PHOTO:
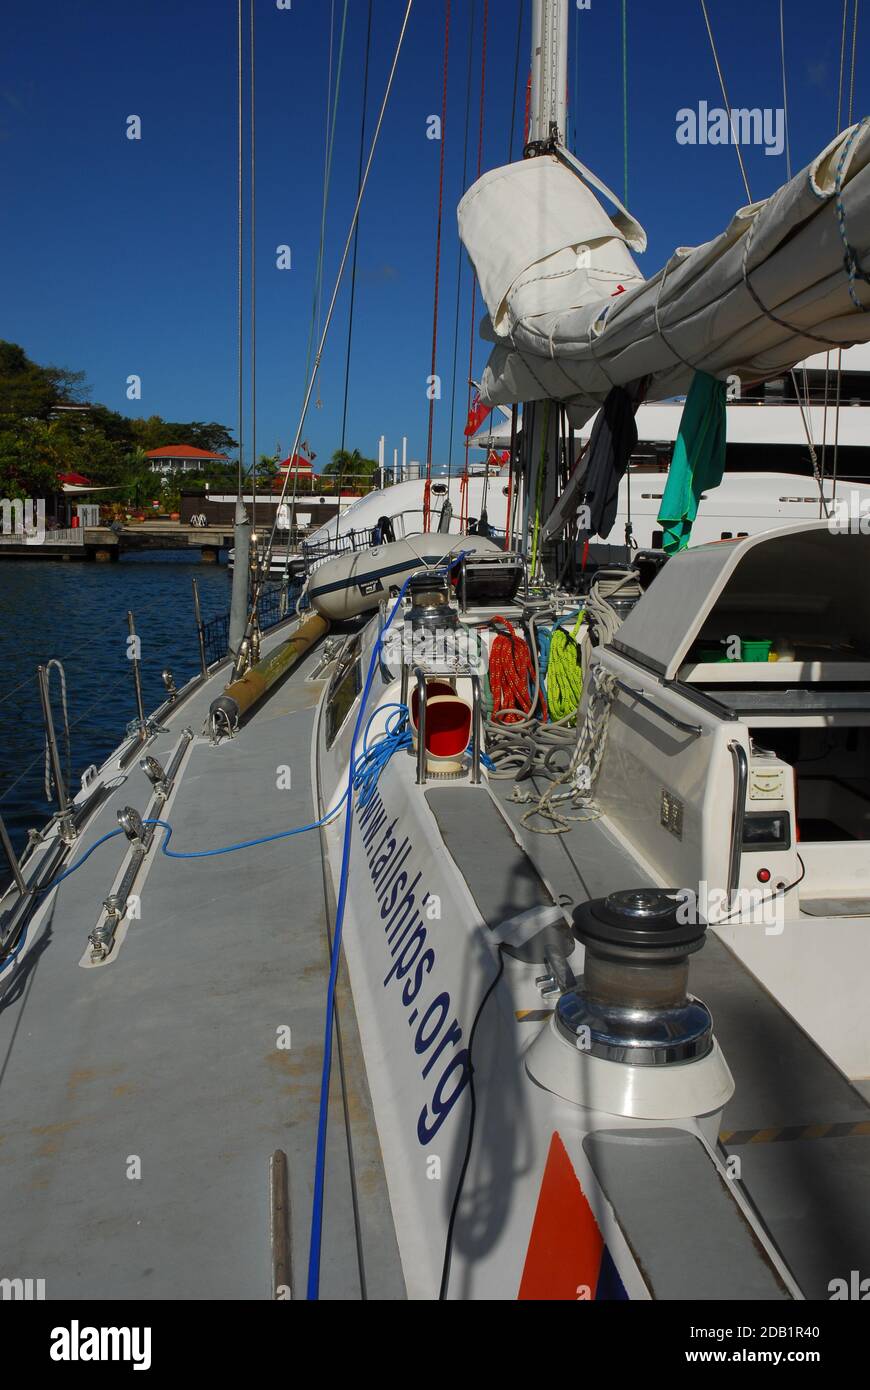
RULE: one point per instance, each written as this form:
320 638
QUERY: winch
633 1000
629 1039
431 609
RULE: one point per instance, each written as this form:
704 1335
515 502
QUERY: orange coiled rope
512 676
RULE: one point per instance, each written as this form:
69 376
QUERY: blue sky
118 256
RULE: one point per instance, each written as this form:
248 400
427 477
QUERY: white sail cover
571 315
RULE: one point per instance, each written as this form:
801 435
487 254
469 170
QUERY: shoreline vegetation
48 426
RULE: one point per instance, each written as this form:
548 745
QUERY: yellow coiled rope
564 672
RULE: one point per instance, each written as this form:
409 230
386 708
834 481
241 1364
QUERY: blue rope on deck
326 1071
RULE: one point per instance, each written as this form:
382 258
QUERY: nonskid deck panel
799 1128
140 1103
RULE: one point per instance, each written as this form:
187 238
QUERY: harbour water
78 613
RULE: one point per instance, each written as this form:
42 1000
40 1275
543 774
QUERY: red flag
476 416
497 460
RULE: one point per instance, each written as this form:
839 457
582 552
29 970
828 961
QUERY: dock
104 544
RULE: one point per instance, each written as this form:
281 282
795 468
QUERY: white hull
277 564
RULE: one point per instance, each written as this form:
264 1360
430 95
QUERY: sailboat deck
800 1129
141 1102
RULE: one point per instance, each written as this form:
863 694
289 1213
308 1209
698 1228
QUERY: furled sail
571 315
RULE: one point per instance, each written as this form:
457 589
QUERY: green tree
31 456
39 438
28 391
265 472
352 468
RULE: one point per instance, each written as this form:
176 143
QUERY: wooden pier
104 543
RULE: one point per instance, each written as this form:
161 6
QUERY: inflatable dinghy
356 582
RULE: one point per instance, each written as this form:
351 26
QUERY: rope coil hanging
564 672
512 677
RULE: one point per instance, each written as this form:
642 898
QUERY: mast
549 98
548 123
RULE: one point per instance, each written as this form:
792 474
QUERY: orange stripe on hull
565 1247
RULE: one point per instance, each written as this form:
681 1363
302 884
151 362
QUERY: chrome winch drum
431 609
632 1004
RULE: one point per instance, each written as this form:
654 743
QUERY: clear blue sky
118 256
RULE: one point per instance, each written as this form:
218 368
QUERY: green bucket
713 654
755 649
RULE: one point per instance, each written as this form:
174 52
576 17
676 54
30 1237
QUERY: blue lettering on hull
412 960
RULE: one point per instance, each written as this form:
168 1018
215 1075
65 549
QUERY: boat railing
71 812
316 553
215 634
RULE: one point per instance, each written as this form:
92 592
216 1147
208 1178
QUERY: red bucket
448 731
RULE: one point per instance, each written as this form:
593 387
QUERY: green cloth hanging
698 462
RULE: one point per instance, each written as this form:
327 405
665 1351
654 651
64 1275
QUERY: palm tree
350 465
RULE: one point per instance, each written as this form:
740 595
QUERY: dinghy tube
357 581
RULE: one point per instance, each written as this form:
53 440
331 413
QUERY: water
78 612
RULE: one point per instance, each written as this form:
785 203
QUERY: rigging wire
329 144
835 466
784 89
331 309
240 242
808 434
817 474
362 134
624 102
736 143
576 93
74 723
315 308
852 74
253 276
460 260
428 488
842 68
326 127
825 427
520 14
463 521
837 425
15 689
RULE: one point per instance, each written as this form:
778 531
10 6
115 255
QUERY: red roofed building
184 457
299 465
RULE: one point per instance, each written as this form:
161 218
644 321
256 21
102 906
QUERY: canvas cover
570 315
